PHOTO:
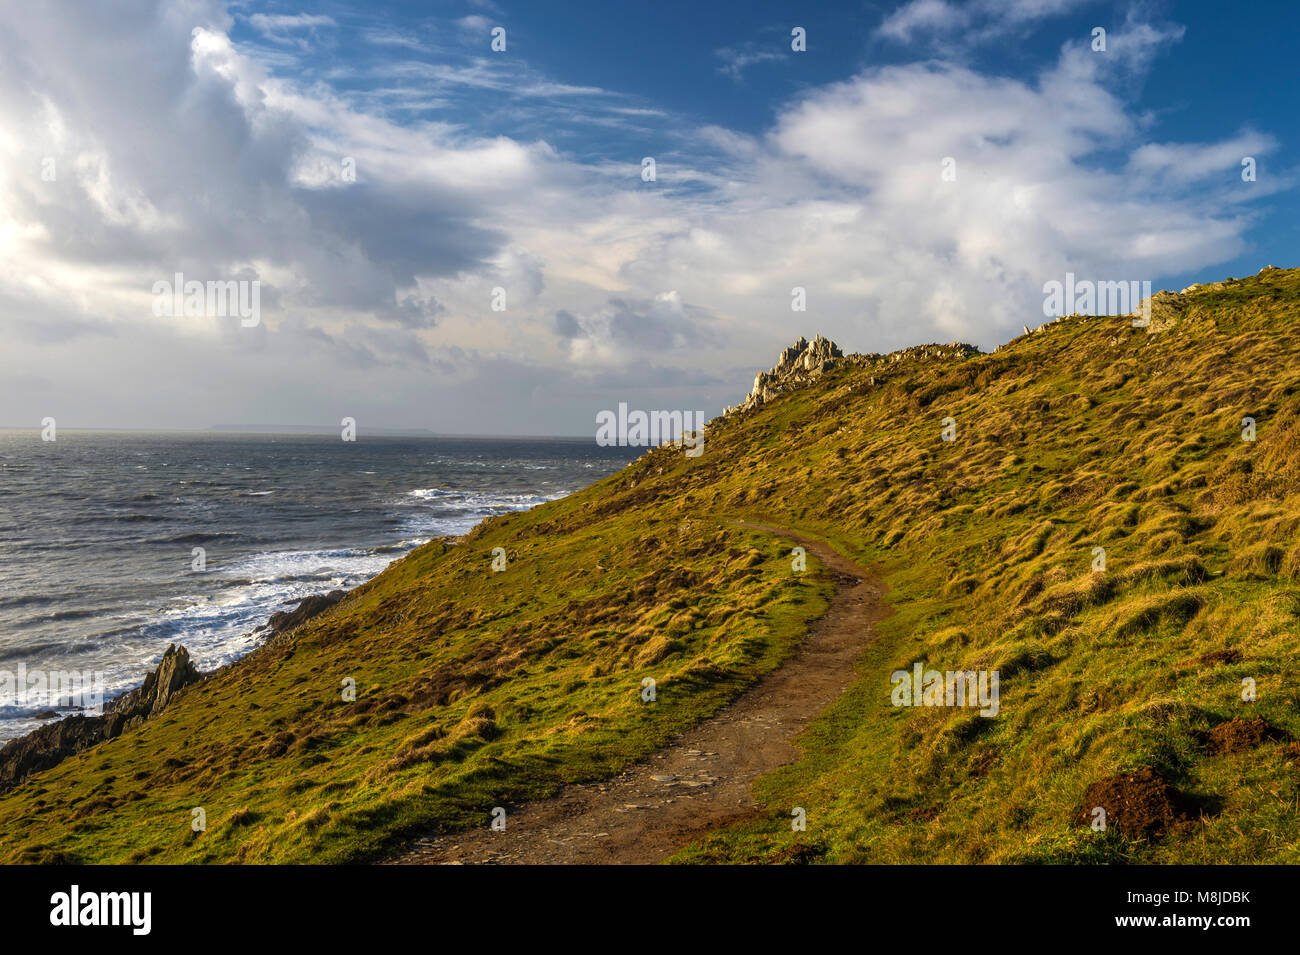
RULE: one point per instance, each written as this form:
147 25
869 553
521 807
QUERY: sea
101 534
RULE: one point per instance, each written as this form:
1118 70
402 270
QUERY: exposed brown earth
703 780
1140 804
1238 736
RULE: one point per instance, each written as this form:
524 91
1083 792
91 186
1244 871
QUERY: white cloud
935 16
736 61
286 28
1180 164
212 163
971 22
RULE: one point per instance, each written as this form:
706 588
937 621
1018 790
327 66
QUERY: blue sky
207 137
689 64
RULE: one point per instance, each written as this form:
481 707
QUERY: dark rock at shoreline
173 673
283 621
49 745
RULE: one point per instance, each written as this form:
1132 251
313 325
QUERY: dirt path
702 780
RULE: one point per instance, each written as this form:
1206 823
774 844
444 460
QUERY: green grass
479 689
474 689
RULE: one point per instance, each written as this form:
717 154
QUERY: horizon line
298 430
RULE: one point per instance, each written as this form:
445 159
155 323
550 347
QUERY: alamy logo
82 689
103 908
923 687
1087 297
650 429
195 299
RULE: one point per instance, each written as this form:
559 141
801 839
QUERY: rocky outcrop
174 673
54 742
283 621
956 350
1166 310
799 364
1170 308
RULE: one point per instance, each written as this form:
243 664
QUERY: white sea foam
218 629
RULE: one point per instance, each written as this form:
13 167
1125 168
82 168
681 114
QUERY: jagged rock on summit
798 365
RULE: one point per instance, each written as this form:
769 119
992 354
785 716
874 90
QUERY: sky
464 239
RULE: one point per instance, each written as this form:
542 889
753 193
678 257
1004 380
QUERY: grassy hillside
476 689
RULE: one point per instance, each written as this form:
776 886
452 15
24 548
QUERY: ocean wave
451 513
33 711
79 614
482 500
305 564
79 655
26 652
196 537
33 600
